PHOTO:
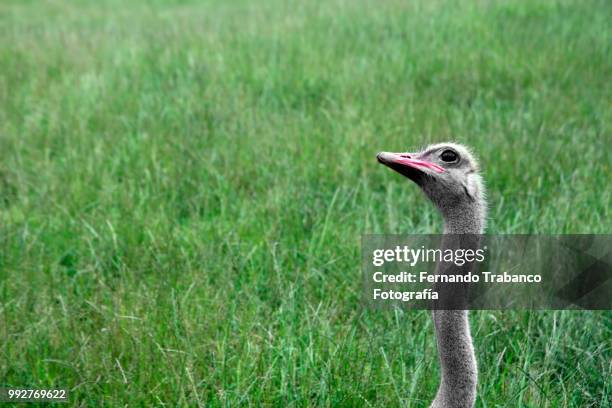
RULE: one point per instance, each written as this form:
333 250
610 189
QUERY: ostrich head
449 176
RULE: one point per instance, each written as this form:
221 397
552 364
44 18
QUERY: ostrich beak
403 163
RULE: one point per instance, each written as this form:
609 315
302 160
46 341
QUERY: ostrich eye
449 156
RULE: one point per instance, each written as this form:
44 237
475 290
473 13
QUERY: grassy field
184 185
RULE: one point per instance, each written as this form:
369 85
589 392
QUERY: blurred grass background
183 187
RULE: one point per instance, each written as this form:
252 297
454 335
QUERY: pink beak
408 160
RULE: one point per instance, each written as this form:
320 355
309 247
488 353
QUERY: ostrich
448 175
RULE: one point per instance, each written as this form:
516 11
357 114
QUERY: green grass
183 187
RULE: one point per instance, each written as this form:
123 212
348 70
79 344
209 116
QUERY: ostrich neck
465 218
457 359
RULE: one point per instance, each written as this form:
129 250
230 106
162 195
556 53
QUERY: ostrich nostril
405 156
